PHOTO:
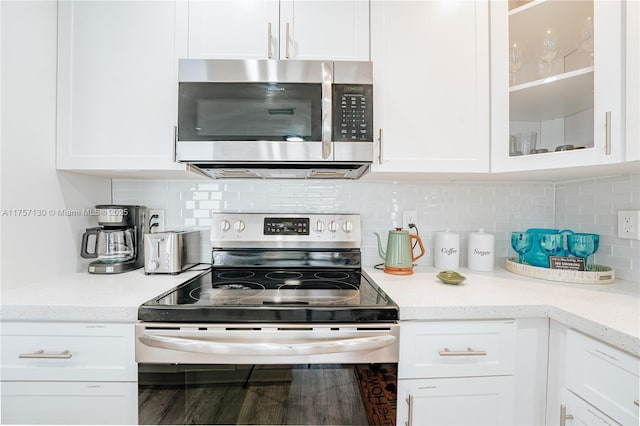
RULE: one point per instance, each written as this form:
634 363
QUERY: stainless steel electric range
284 290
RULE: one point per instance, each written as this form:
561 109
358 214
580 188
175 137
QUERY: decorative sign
570 263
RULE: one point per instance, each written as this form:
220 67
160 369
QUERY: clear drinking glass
550 47
585 38
521 243
515 61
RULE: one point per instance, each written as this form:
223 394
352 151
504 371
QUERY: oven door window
319 394
249 112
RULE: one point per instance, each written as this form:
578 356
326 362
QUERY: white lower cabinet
457 372
460 401
69 403
576 411
605 377
68 373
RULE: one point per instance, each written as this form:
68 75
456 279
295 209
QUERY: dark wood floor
319 395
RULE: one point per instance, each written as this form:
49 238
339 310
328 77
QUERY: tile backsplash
498 208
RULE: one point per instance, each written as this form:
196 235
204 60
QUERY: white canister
446 248
481 251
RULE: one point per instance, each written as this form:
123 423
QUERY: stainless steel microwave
270 119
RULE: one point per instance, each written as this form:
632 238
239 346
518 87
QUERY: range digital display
286 226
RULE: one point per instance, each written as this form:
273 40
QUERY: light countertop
609 312
88 297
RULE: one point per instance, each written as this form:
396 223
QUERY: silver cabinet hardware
637 402
564 416
174 154
409 421
608 133
380 159
269 47
286 42
468 352
42 354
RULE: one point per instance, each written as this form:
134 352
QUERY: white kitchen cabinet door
117 85
571 101
69 403
431 85
578 412
632 91
267 29
461 401
247 29
318 30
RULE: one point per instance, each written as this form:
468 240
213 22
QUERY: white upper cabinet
117 90
632 89
557 78
431 86
265 29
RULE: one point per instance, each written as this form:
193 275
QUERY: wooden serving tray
598 274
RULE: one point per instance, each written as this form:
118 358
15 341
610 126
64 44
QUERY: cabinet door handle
269 47
380 159
409 421
468 352
608 133
564 416
42 354
637 402
286 42
175 144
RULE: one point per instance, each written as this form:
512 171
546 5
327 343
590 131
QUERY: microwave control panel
353 112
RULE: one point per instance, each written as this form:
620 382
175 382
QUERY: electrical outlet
156 224
409 216
629 224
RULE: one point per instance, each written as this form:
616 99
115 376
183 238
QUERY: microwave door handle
327 94
299 347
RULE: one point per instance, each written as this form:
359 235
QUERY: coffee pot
117 245
399 258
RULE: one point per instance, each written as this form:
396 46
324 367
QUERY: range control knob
153 265
333 226
225 225
239 226
347 226
318 226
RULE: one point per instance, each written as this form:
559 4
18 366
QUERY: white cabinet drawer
69 403
581 413
457 349
68 352
604 376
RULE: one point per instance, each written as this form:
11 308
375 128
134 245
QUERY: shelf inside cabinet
553 97
528 23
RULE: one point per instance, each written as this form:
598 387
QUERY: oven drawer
457 349
67 352
266 343
604 376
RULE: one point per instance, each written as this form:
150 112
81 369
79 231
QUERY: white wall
44 242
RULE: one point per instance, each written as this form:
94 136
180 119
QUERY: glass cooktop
273 295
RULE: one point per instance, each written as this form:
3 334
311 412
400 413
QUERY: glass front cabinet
557 84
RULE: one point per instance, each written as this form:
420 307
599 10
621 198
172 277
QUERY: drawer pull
468 352
42 354
409 421
564 416
637 402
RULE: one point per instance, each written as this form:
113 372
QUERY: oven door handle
309 347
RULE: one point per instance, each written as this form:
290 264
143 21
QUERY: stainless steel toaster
171 252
